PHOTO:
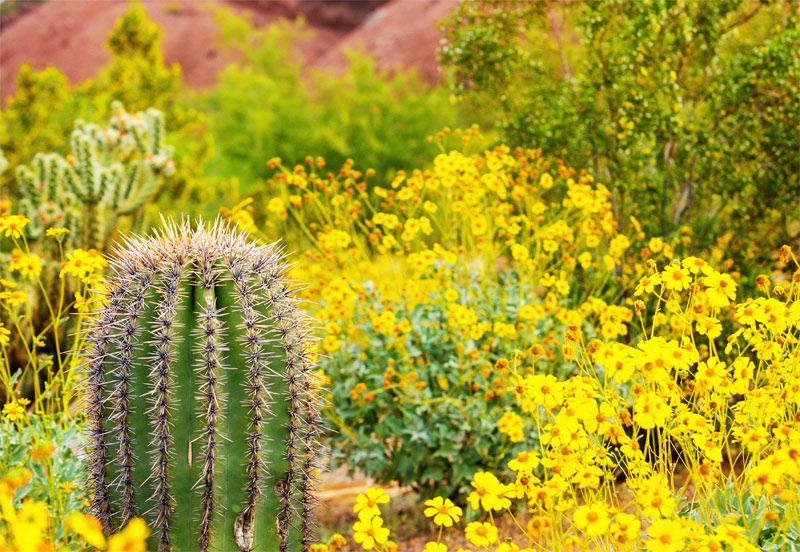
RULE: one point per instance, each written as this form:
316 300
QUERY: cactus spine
201 395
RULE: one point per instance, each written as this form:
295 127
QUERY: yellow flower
330 344
443 511
481 534
367 503
4 333
12 225
479 225
133 538
709 326
676 278
56 232
512 425
655 245
720 289
489 493
29 265
525 461
14 298
14 412
29 537
81 263
369 531
88 528
451 295
336 541
666 536
519 253
650 410
625 529
593 519
42 450
647 284
68 487
33 513
435 547
529 312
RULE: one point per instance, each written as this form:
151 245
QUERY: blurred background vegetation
690 115
688 110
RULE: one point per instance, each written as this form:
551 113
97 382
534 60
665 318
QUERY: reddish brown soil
400 34
69 34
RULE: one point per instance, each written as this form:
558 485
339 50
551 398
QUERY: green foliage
56 476
37 117
430 421
729 502
270 106
689 110
201 396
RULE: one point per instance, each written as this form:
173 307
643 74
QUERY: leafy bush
674 444
270 106
425 287
689 111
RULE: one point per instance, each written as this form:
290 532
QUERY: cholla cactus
112 172
201 396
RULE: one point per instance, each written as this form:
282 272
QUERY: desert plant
687 110
200 357
112 172
40 115
270 105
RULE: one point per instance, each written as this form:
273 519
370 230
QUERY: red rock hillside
70 34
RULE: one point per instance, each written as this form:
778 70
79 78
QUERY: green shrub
270 106
689 110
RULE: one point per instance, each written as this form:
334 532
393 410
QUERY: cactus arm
139 419
71 181
147 187
114 194
211 411
259 349
308 489
27 185
52 186
92 236
132 176
285 321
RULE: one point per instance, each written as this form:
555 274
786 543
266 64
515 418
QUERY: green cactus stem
201 396
111 172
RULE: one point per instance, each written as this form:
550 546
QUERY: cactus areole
201 396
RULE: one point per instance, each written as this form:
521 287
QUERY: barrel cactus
201 395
